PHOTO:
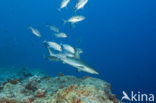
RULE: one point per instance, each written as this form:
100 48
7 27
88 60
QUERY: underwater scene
77 51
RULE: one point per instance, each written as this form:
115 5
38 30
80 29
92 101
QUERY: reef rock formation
62 89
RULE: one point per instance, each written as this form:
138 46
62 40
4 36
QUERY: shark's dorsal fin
78 51
77 55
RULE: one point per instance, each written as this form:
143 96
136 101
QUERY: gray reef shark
74 61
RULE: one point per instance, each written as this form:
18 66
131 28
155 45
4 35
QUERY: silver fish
80 4
35 31
61 35
68 48
75 19
64 4
54 45
53 28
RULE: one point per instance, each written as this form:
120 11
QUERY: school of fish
66 53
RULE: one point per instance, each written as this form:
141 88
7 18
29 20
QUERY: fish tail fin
59 9
65 21
29 27
74 10
72 25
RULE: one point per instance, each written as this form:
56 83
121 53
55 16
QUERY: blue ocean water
118 39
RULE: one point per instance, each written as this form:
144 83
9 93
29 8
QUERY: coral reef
36 87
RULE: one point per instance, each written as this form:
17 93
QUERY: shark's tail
47 46
51 56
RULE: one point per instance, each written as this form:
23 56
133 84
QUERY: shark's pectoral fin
78 70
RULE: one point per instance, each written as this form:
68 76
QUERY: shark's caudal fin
51 55
78 70
49 50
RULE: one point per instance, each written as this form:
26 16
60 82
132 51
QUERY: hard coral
1 87
32 83
60 74
61 89
4 100
14 81
40 93
28 100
